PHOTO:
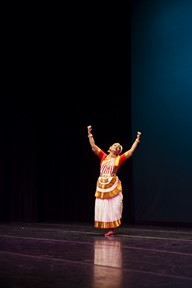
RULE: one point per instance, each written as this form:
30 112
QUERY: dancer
108 194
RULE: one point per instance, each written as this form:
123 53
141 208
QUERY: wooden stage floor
52 255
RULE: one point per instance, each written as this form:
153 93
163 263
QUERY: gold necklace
111 156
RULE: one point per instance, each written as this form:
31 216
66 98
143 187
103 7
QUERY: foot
110 233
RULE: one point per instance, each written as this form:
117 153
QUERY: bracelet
90 135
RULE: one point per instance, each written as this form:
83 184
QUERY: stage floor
79 256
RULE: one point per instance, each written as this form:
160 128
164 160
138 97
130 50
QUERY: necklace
110 156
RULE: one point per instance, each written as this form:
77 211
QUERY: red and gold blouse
108 183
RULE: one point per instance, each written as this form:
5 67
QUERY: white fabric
109 210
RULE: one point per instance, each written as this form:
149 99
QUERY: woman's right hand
89 129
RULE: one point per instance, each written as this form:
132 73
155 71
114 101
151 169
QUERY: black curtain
18 166
65 69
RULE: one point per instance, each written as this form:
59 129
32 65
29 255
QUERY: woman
108 195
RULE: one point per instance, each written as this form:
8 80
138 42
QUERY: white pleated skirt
108 212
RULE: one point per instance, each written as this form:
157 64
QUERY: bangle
90 135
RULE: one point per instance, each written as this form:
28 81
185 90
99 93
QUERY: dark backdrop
162 101
65 69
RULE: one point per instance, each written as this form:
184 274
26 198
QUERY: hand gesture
138 136
89 129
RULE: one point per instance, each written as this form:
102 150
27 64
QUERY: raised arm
91 139
134 145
